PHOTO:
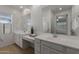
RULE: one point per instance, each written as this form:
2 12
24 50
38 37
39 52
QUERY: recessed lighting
26 11
21 7
60 8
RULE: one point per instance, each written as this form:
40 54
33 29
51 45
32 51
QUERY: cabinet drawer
53 46
47 50
72 51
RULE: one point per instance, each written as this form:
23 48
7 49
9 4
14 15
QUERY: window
5 23
5 19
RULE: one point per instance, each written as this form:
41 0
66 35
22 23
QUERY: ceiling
18 7
55 8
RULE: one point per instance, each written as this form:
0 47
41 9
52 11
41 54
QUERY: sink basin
33 35
55 36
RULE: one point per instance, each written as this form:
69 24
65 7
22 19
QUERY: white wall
36 16
17 21
75 14
46 20
53 22
26 24
41 19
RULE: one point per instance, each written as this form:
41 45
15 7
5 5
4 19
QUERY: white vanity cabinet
51 47
48 47
37 46
48 50
72 51
29 41
44 47
24 41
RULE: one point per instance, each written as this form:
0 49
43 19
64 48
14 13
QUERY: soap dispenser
32 30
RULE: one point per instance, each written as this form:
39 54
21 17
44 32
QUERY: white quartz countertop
69 41
29 38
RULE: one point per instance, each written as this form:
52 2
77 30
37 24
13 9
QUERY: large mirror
61 24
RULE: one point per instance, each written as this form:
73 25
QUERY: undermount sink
33 35
55 36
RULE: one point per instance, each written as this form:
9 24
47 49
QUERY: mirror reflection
61 24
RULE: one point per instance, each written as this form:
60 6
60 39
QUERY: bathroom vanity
48 44
28 41
24 40
18 38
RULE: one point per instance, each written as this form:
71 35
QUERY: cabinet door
53 46
20 41
72 51
44 50
17 39
37 46
47 50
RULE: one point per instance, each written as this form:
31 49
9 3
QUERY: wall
75 18
17 21
46 20
36 16
27 23
41 19
53 22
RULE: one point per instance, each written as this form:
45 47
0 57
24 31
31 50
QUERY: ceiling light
60 17
26 11
21 7
60 8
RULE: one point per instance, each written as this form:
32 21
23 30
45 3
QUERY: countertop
69 41
25 36
29 38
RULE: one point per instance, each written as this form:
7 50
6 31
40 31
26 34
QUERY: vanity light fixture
26 11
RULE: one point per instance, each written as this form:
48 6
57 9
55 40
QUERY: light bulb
60 8
21 7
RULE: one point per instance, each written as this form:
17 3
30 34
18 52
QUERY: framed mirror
61 24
